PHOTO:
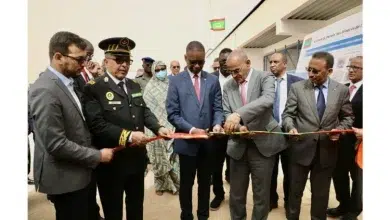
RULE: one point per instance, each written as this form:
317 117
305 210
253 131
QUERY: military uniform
142 80
112 115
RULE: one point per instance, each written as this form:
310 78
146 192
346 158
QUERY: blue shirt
324 90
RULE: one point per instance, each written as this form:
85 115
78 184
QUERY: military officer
147 75
116 114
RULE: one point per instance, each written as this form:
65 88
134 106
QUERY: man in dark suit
30 130
116 115
247 103
318 103
194 105
351 204
89 71
283 82
220 142
64 157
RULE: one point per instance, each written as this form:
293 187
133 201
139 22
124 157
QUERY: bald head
175 67
238 65
238 56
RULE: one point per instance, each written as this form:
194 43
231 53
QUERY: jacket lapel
332 97
66 91
188 82
252 82
309 93
203 87
236 95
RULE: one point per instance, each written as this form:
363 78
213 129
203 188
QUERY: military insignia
110 96
106 79
124 42
136 95
91 82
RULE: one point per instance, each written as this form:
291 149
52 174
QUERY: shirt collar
67 81
284 77
222 76
358 84
192 74
249 75
116 81
325 84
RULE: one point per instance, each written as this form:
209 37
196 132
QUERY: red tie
86 76
196 85
351 88
243 92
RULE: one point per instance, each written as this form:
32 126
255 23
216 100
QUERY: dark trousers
189 166
274 181
111 189
320 178
349 201
94 209
220 145
73 205
259 167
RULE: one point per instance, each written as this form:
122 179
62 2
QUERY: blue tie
320 102
277 100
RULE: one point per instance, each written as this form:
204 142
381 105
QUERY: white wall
161 29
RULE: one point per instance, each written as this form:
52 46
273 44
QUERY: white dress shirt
222 80
68 82
193 79
117 81
283 95
357 85
324 91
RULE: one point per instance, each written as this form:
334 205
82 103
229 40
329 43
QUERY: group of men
95 134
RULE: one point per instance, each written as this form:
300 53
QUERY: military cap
117 45
147 59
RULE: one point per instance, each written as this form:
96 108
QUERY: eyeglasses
234 72
79 60
176 67
194 62
354 68
158 70
121 60
311 69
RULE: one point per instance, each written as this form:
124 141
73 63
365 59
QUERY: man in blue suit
194 105
278 66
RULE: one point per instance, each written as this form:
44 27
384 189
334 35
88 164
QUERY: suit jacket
301 113
79 82
111 120
185 111
256 114
292 79
63 157
348 141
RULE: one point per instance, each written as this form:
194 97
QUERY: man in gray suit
64 157
318 103
247 104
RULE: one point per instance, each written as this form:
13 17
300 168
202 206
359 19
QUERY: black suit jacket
79 82
357 107
112 115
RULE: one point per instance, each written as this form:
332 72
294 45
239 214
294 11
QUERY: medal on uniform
106 79
110 96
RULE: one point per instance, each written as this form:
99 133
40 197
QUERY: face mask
161 74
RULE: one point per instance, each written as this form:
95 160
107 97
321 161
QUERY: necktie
243 92
320 102
196 85
277 100
121 85
351 88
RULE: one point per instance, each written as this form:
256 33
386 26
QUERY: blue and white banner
343 39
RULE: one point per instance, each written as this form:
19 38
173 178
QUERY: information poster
343 39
